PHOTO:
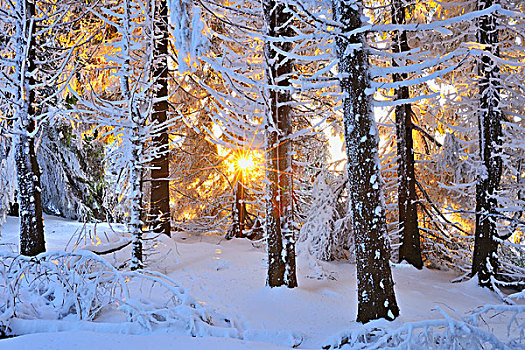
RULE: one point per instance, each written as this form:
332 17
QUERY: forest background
229 118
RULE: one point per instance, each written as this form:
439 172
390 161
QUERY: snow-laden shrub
80 286
478 330
324 234
73 184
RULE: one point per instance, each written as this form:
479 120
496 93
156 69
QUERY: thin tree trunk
160 193
279 215
28 172
135 222
239 209
375 287
410 249
485 260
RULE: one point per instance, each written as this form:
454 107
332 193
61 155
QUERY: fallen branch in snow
109 248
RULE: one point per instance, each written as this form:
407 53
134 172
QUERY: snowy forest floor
229 278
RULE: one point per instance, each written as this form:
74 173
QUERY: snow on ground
229 278
103 341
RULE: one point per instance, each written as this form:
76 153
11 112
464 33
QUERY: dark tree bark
30 203
286 185
410 249
273 227
239 209
28 172
279 214
375 287
485 260
160 193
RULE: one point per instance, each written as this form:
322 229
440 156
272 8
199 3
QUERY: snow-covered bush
82 286
7 177
73 183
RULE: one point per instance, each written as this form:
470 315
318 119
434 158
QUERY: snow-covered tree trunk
375 287
160 193
135 221
29 196
485 260
410 249
279 215
286 180
134 133
28 172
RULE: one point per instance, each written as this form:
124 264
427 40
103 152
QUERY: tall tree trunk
375 287
134 136
160 192
279 215
28 172
485 260
410 249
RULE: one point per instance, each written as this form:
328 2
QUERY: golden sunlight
244 162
